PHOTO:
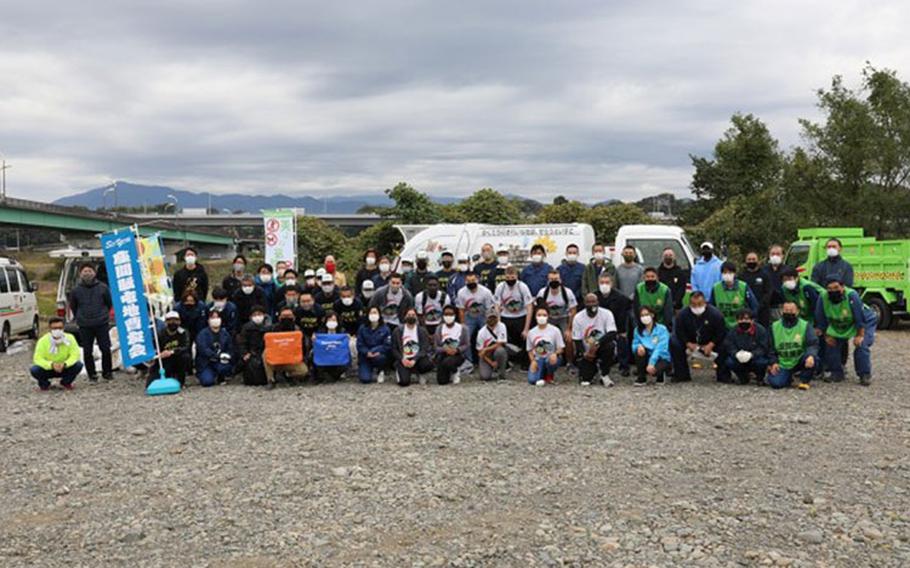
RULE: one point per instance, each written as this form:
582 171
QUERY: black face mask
836 297
422 264
173 327
410 320
668 262
447 264
751 265
286 324
592 310
706 254
745 325
788 319
554 284
651 285
511 283
472 285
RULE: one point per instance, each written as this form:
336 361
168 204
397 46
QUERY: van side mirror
32 286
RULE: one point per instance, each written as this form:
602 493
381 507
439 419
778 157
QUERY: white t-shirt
391 306
485 337
449 337
513 300
475 303
592 329
431 308
410 342
546 341
556 302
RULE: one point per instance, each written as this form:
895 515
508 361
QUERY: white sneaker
585 383
380 378
606 380
456 378
541 383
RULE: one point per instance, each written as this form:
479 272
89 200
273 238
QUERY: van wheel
33 332
4 338
882 310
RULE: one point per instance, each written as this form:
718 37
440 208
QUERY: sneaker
640 382
624 372
380 378
837 378
42 389
270 386
585 383
865 380
107 376
456 378
93 378
803 386
660 380
541 383
606 381
68 387
548 378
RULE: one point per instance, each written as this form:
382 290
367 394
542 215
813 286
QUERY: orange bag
283 347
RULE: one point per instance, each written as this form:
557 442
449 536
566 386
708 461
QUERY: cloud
592 100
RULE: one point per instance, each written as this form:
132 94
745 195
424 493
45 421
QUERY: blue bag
331 350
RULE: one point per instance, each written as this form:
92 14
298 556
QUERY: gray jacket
91 304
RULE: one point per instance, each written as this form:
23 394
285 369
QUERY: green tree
562 212
383 237
488 206
607 219
411 206
316 239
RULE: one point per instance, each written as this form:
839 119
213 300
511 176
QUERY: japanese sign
128 293
281 236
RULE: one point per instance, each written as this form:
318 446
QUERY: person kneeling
545 345
747 347
411 348
251 346
794 349
452 347
651 346
213 353
174 342
284 350
374 347
331 350
491 347
594 332
56 357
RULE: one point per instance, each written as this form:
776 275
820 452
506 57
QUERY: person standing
515 301
535 273
629 273
246 297
266 282
774 270
621 307
656 295
451 342
675 277
232 281
731 295
369 269
418 280
447 272
393 300
833 266
706 272
332 268
349 311
498 275
56 356
430 303
755 278
491 341
599 264
384 274
91 305
473 301
593 331
486 268
191 277
571 272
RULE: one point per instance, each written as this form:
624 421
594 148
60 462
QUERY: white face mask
605 289
257 319
790 284
384 267
327 288
247 289
646 320
449 319
728 277
290 281
832 252
239 267
57 333
571 257
374 318
368 294
699 310
542 320
190 260
775 259
370 261
503 259
219 305
215 323
599 255
462 267
347 301
331 325
536 258
406 269
265 278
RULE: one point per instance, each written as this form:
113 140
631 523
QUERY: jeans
44 376
587 370
87 338
366 366
544 369
862 357
210 374
783 377
473 325
757 365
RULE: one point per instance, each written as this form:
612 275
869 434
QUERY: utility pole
3 167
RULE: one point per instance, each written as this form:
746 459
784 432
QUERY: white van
470 237
18 305
650 241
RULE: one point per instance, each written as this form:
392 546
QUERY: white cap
368 285
422 255
446 252
327 278
502 248
171 315
309 273
408 260
708 244
320 272
463 256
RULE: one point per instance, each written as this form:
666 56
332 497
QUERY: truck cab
650 241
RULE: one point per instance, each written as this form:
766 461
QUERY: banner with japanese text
121 257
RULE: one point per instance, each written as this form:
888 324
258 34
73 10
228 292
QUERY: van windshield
798 255
652 251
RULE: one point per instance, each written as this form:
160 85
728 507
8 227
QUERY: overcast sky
593 100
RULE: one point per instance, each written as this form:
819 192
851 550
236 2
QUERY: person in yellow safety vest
841 318
731 295
794 349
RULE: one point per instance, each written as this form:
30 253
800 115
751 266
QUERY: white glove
225 358
743 356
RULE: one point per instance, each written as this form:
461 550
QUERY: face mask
310 282
571 257
384 267
605 289
835 297
292 302
448 319
788 319
410 320
669 260
447 264
775 259
542 320
406 269
330 267
215 323
327 289
219 305
290 281
553 284
258 319
510 282
373 318
422 264
628 258
462 268
651 285
347 301
536 258
592 311
370 261
247 289
286 323
502 259
833 252
472 286
331 325
598 255
745 325
706 254
646 320
368 294
699 310
239 267
190 260
728 277
751 265
265 278
57 333
790 284
172 326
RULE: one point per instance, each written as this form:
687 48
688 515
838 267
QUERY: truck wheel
4 338
882 310
33 332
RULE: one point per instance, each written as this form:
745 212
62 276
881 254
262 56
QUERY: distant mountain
137 195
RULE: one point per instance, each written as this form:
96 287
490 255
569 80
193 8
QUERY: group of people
762 323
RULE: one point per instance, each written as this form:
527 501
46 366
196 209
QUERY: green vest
789 342
840 316
729 302
654 300
798 297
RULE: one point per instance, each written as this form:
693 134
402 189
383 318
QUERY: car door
29 301
7 302
16 300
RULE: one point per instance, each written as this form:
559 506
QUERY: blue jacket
456 283
535 276
833 267
705 274
210 346
377 340
270 290
656 343
228 316
191 318
571 276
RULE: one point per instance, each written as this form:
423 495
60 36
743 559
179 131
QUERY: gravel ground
470 475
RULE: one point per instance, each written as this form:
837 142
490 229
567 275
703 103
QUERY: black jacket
246 302
250 339
676 279
231 284
701 330
178 342
758 283
755 341
91 303
619 305
195 279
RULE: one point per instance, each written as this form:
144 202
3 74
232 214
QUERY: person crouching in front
56 357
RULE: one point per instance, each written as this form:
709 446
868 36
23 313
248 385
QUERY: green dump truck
881 269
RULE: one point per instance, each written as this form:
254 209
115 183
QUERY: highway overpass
355 221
